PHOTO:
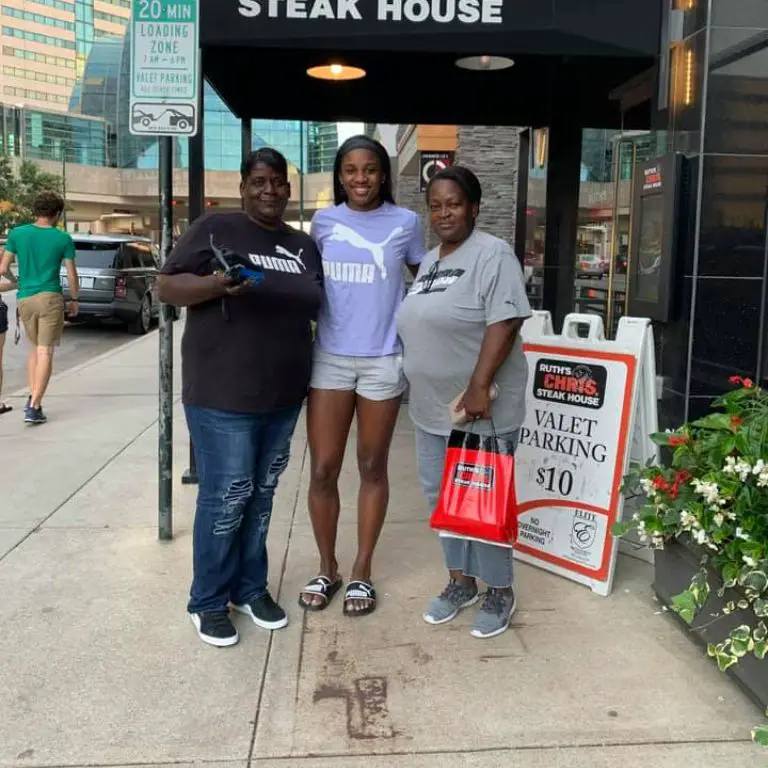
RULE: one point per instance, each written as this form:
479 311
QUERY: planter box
674 567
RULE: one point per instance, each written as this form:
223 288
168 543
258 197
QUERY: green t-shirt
39 252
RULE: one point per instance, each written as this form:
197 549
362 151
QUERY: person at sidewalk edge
460 326
40 249
7 283
246 361
365 240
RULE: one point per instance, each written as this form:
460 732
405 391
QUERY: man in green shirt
40 249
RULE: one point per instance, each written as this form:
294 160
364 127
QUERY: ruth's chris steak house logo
570 383
413 11
652 179
473 476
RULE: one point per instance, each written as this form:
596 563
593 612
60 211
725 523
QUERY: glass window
95 254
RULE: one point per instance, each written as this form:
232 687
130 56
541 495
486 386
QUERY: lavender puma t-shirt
363 255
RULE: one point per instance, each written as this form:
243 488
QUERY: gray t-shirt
442 322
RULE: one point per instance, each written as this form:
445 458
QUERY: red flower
748 383
735 379
676 440
660 483
736 422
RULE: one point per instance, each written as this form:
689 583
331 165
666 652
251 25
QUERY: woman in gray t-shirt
460 327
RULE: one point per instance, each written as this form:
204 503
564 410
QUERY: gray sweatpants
480 560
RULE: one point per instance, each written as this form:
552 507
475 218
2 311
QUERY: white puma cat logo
292 256
344 234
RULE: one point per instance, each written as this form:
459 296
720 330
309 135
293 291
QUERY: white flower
739 467
740 534
709 491
700 536
743 469
719 519
750 561
647 486
688 521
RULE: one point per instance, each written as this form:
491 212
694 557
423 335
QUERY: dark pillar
196 194
563 173
246 136
718 114
521 217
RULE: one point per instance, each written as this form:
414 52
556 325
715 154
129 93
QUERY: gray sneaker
453 599
495 613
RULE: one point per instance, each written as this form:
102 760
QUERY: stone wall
408 195
492 152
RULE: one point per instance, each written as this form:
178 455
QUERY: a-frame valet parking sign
583 399
165 67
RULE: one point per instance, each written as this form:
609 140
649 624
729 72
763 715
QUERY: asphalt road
79 344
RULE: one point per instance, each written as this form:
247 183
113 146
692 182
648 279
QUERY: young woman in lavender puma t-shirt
365 239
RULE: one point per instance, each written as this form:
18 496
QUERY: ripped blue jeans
240 458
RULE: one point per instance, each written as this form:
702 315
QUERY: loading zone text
414 11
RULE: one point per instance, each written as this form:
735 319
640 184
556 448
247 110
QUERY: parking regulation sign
165 67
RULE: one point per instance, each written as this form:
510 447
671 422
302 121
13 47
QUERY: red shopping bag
477 493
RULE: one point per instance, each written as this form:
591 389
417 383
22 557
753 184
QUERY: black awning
256 57
491 26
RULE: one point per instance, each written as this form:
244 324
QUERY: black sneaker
34 415
264 612
215 628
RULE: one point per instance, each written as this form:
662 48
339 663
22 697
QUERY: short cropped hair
270 157
48 205
461 175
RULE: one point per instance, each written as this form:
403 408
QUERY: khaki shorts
43 318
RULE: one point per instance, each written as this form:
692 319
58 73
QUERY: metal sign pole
165 420
165 38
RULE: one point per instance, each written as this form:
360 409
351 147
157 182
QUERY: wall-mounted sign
658 206
431 163
590 406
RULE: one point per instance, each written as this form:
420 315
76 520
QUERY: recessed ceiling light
485 63
336 71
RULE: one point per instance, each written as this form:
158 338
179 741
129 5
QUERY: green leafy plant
18 189
712 492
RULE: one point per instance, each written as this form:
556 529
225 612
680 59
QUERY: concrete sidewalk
101 666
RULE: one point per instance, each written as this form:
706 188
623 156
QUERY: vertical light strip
688 83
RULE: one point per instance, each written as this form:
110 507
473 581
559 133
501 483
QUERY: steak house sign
413 11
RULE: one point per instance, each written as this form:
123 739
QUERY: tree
19 189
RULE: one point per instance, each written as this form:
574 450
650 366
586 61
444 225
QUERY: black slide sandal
360 590
320 586
5 408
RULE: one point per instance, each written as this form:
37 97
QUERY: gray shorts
374 378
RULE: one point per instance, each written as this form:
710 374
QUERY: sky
349 129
